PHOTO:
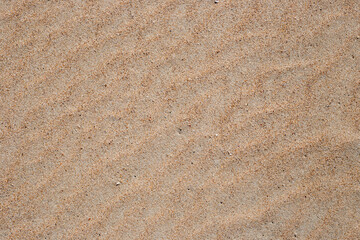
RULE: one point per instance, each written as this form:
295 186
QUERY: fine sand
179 119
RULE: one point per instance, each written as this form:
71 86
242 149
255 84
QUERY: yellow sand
180 119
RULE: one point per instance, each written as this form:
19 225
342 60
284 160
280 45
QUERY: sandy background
180 119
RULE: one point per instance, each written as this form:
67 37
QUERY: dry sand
180 119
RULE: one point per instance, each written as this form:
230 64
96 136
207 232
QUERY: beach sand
180 119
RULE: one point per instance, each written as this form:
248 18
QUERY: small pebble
118 183
216 1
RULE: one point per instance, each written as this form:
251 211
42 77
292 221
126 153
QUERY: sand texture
179 119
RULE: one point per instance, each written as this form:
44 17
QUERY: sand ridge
179 119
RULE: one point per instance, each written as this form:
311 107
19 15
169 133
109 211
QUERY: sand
180 119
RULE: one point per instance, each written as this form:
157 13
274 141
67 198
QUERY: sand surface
173 119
